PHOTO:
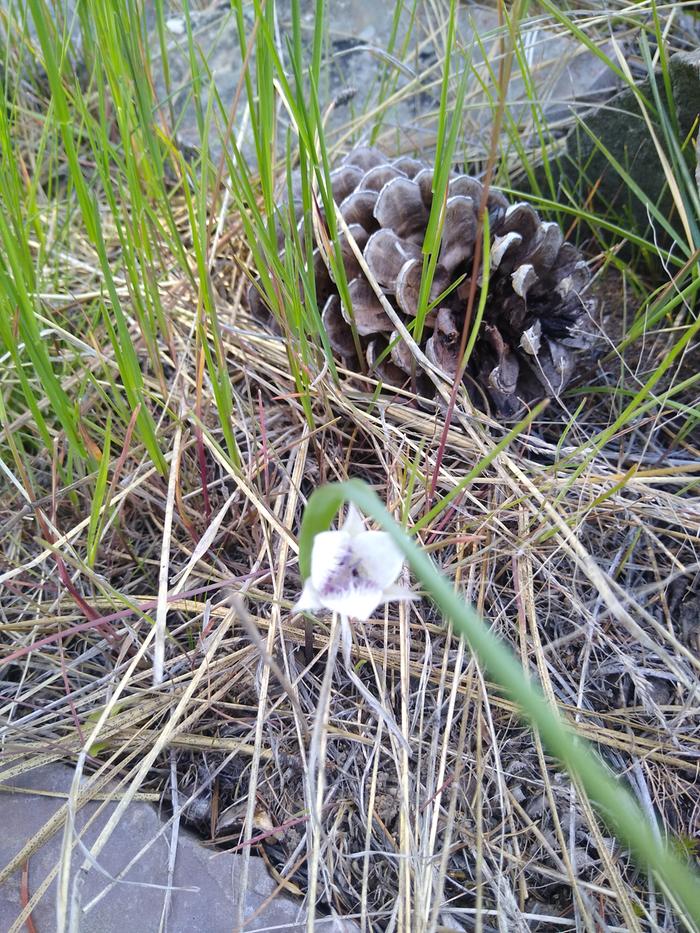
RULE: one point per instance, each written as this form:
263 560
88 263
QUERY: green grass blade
98 497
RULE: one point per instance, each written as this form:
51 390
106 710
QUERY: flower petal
309 599
353 524
358 602
380 559
402 593
332 551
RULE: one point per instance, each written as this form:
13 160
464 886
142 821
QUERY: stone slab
204 897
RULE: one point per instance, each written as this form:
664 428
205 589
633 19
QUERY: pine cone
535 317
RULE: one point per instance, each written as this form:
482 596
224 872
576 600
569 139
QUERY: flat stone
203 899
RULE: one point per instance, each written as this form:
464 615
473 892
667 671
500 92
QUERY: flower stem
316 774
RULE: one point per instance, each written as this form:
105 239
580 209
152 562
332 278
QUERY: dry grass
595 582
585 558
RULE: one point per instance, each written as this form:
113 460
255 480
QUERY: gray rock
204 882
360 70
565 76
357 38
685 81
622 130
684 68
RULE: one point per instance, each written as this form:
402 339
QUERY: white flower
353 571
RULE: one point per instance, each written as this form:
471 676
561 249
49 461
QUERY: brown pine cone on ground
536 316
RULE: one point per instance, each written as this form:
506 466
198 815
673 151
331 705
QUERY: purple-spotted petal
353 571
331 558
